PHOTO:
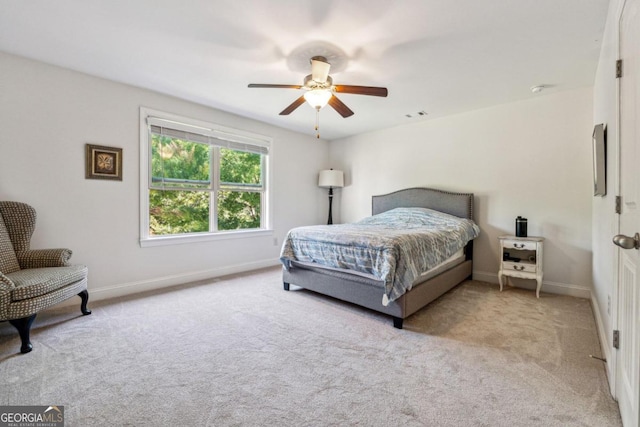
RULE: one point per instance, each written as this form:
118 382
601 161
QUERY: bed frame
367 292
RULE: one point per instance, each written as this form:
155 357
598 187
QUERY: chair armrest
40 258
6 286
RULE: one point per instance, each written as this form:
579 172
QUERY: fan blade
261 85
295 104
362 90
340 107
319 69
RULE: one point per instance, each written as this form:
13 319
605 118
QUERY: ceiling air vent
414 115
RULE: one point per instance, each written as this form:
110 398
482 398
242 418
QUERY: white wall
605 221
48 114
530 158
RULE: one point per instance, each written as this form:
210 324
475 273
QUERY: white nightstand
521 257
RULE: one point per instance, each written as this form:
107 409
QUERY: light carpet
240 351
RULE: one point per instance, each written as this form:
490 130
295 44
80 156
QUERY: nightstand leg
539 281
500 279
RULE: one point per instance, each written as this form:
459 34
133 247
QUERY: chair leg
24 327
83 305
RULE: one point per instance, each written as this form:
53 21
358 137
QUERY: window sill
195 238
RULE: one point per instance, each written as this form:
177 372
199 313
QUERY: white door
628 355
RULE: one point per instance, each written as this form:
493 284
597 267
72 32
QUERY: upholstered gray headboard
458 204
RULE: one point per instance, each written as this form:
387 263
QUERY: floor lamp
331 179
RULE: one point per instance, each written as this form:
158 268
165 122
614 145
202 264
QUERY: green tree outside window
182 187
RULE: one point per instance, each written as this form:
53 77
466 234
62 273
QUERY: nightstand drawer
519 266
519 244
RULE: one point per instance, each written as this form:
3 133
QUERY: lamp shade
318 98
331 179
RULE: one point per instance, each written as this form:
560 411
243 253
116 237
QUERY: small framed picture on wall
103 162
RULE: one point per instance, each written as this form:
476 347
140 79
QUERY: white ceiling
438 56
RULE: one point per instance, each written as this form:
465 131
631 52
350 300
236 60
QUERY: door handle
626 242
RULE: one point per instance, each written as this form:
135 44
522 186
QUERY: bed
368 290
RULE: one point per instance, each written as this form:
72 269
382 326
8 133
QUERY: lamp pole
329 179
330 220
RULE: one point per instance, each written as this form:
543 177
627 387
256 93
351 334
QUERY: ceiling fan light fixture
319 91
318 98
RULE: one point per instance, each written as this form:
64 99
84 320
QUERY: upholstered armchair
33 279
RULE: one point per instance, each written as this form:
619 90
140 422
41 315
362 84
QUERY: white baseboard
604 344
130 288
547 286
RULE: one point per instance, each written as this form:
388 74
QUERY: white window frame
235 136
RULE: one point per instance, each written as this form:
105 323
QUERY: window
200 179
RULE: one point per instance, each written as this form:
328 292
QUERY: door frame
615 300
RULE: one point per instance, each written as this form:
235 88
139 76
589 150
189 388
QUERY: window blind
212 137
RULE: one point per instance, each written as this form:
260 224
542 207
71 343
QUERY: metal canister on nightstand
521 227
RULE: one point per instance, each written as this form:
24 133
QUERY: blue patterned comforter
395 246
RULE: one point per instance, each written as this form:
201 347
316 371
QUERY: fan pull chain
318 122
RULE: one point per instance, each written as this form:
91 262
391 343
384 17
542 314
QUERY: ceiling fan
320 90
